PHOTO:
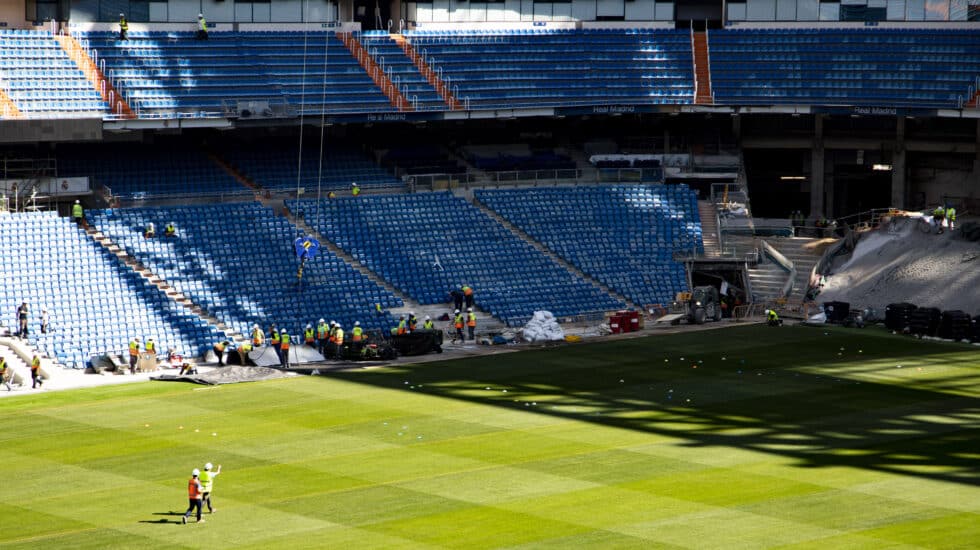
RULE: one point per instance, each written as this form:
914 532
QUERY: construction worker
772 319
377 310
36 372
938 214
151 347
458 325
4 375
170 230
194 495
402 326
355 190
275 341
123 26
219 350
309 335
457 297
331 348
134 354
412 321
471 322
322 334
284 347
338 340
357 335
951 217
77 213
467 295
331 195
151 231
202 27
428 324
207 484
243 351
258 337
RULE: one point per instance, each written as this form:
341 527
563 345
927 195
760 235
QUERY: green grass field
747 437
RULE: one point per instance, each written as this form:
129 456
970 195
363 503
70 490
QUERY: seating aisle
238 262
622 235
426 244
95 302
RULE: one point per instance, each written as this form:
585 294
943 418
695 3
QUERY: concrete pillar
976 160
817 171
899 184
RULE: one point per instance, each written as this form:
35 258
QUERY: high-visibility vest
285 340
338 337
3 366
332 334
357 334
134 348
377 307
412 322
170 229
951 214
258 337
471 321
123 25
35 363
220 346
309 335
322 330
773 316
150 346
207 481
401 326
355 191
245 348
76 211
467 291
939 211
204 25
458 321
274 337
428 325
194 489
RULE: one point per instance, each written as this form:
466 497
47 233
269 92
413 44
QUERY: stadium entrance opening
373 14
700 14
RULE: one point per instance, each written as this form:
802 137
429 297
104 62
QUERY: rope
323 117
302 102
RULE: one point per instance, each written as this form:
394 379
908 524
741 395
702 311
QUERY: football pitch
747 437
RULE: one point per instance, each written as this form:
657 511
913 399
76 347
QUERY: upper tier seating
171 72
42 80
428 243
420 159
623 235
555 68
238 262
274 166
134 172
874 67
95 302
401 70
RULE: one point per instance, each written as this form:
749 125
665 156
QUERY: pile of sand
899 263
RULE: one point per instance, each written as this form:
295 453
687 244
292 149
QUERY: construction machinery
697 306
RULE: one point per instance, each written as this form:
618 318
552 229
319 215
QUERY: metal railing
630 175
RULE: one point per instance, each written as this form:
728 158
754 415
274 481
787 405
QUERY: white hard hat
353 184
321 321
121 15
196 472
469 309
427 318
309 325
357 323
208 466
457 311
76 201
256 325
200 15
333 322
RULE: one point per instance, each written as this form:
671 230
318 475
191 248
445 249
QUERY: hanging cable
302 103
323 118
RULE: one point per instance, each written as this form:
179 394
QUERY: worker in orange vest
413 321
468 295
194 495
471 322
309 335
275 340
458 324
134 354
401 326
338 340
258 337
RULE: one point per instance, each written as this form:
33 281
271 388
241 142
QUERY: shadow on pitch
164 521
775 391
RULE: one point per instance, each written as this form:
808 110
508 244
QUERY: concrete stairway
768 278
794 248
702 72
21 372
547 252
709 228
162 284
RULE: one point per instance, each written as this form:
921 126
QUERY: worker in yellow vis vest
402 326
339 341
355 190
77 213
134 354
36 379
427 324
284 346
207 484
151 346
309 336
275 340
413 321
357 333
458 325
322 335
219 350
243 351
258 337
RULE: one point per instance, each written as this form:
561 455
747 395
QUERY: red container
624 321
634 321
615 324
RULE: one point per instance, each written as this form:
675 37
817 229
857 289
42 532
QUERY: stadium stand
401 70
136 172
274 166
561 68
167 73
622 235
420 159
42 80
237 262
428 243
877 67
96 303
